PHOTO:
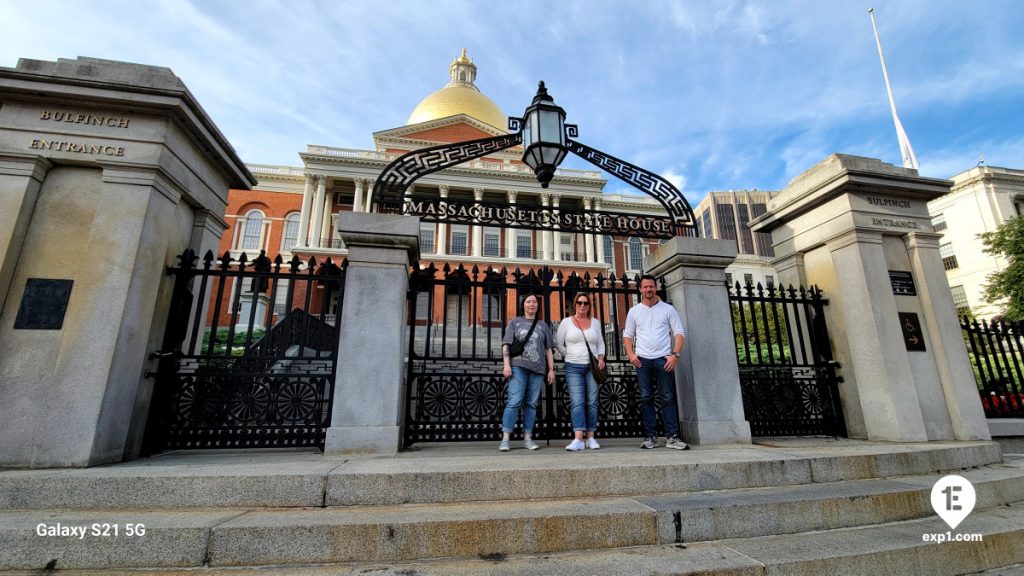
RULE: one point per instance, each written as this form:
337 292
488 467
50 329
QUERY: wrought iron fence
248 359
997 357
456 318
787 374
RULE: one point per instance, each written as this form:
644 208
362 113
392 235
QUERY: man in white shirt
654 337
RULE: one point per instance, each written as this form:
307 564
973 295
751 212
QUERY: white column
510 233
318 210
307 203
478 233
545 235
556 253
588 239
326 231
599 239
357 200
442 228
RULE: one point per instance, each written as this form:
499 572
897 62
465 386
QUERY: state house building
294 210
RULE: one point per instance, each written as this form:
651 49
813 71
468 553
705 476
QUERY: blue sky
715 95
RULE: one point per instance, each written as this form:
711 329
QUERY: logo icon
953 499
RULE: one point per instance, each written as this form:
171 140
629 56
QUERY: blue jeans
524 385
582 396
651 368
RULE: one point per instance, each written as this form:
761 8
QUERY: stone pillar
707 375
545 235
886 391
304 216
108 171
357 199
366 417
599 238
442 228
318 210
588 239
556 252
326 230
478 195
20 179
966 414
860 230
510 233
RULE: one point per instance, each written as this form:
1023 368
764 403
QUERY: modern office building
726 216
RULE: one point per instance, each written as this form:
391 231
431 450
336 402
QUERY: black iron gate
996 352
787 374
249 354
455 387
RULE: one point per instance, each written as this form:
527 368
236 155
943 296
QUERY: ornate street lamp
544 136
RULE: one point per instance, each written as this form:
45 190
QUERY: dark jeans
652 369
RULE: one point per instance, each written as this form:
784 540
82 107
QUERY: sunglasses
583 302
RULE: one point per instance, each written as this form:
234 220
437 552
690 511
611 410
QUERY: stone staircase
794 506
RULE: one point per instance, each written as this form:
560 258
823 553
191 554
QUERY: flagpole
906 150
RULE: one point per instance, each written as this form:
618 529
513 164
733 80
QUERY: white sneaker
529 444
575 446
592 444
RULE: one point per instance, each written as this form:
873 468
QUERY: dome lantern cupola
460 96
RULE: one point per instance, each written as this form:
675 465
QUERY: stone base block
377 440
703 433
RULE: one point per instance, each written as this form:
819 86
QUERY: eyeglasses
583 303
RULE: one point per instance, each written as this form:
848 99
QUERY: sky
713 95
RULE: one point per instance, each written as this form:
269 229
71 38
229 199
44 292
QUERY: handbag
600 374
517 347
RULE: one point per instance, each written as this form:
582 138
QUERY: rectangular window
746 240
726 221
960 300
708 232
253 232
492 242
524 245
291 232
1019 207
748 279
460 239
609 250
948 257
567 248
636 254
769 280
427 233
939 222
281 304
728 279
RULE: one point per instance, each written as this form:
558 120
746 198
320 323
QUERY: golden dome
460 96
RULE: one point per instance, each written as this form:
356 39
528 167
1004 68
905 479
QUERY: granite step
896 548
283 536
312 480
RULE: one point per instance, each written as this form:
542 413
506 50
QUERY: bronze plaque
44 304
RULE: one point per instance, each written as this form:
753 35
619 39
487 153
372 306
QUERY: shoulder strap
532 326
584 332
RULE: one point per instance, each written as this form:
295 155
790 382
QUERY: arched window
291 232
253 232
636 254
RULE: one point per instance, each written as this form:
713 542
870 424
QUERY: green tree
1007 241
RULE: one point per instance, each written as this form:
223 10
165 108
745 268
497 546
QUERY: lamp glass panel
550 126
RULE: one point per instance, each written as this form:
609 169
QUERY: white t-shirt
569 341
653 329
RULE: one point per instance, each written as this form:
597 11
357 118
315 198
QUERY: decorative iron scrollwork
648 182
406 169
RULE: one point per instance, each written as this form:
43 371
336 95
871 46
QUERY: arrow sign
911 327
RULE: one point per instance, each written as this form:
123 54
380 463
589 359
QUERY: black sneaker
649 443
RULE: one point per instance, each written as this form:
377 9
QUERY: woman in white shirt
569 340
